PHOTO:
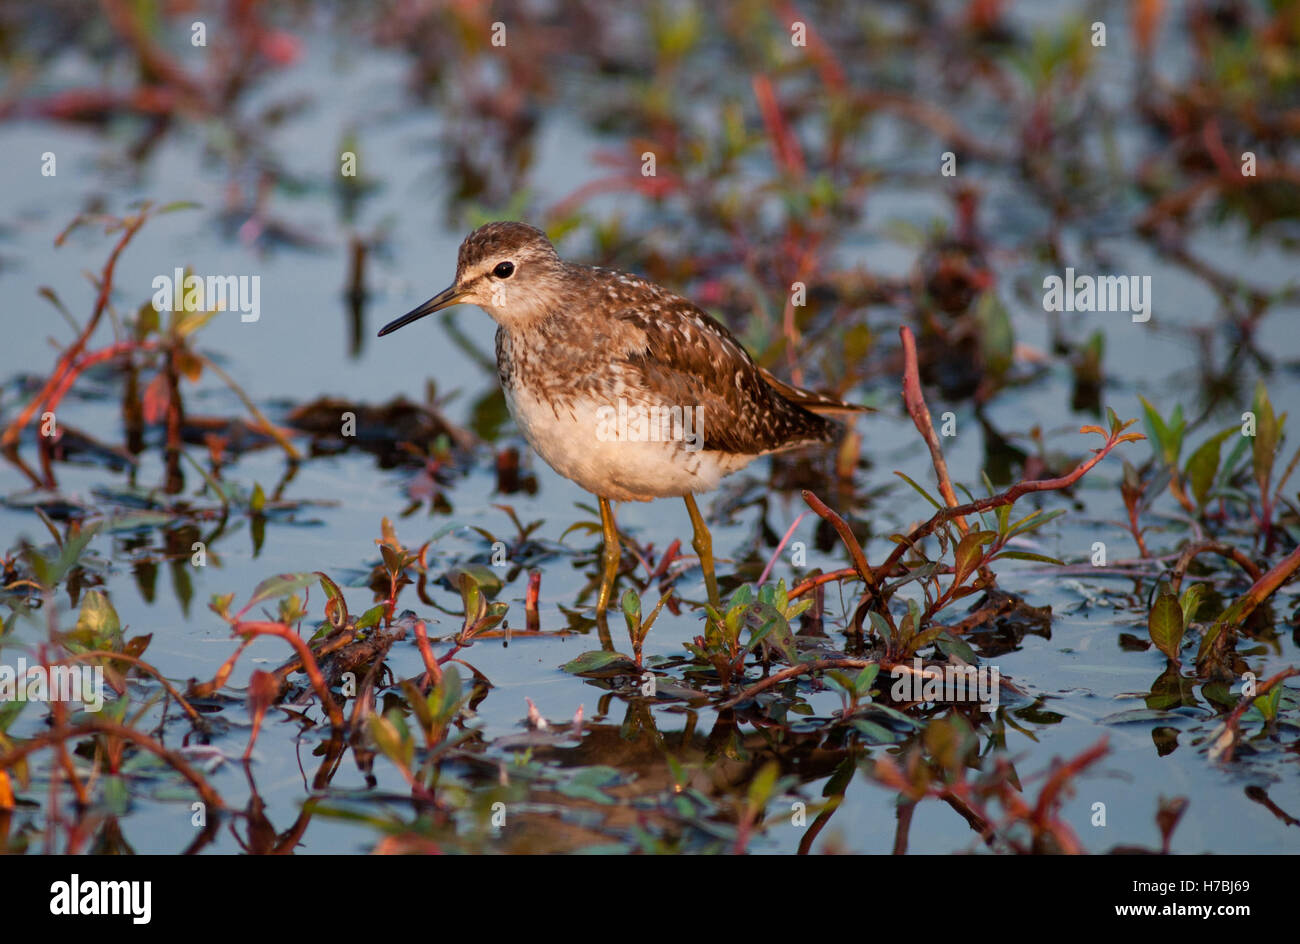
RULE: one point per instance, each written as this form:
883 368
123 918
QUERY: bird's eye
504 270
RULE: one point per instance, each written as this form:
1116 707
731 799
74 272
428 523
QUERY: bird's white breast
581 439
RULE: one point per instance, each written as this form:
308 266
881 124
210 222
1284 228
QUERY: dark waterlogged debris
54 505
998 621
337 424
76 446
225 435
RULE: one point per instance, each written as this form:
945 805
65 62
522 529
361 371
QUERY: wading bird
580 349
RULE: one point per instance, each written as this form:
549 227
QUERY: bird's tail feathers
813 402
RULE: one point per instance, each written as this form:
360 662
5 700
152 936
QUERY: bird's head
508 269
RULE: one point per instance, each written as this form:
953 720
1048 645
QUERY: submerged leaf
281 585
601 663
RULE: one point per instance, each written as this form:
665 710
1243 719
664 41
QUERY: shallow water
300 348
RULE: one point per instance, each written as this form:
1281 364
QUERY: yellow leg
703 544
613 554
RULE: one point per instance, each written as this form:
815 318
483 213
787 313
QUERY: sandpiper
623 387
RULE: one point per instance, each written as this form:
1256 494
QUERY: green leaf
586 784
1190 602
338 612
1116 424
394 560
761 787
1034 521
1209 637
948 644
924 493
923 639
175 205
1267 429
866 678
281 585
873 733
893 714
1268 703
220 604
910 625
445 699
117 798
649 621
1026 555
392 737
371 617
258 500
9 710
487 579
1204 464
1167 437
769 625
72 549
880 626
1228 468
969 552
632 612
1165 624
997 340
840 680
97 618
600 662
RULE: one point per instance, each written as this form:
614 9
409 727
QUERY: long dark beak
444 299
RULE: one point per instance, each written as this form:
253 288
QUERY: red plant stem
1010 496
1212 547
785 146
155 60
665 560
823 57
432 669
779 548
204 689
806 267
263 628
90 360
1061 776
69 357
532 619
258 714
795 670
860 564
814 582
393 577
141 664
1136 530
1234 717
99 725
920 413
175 417
1264 587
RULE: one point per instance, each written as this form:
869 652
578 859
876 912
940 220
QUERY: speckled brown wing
690 359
